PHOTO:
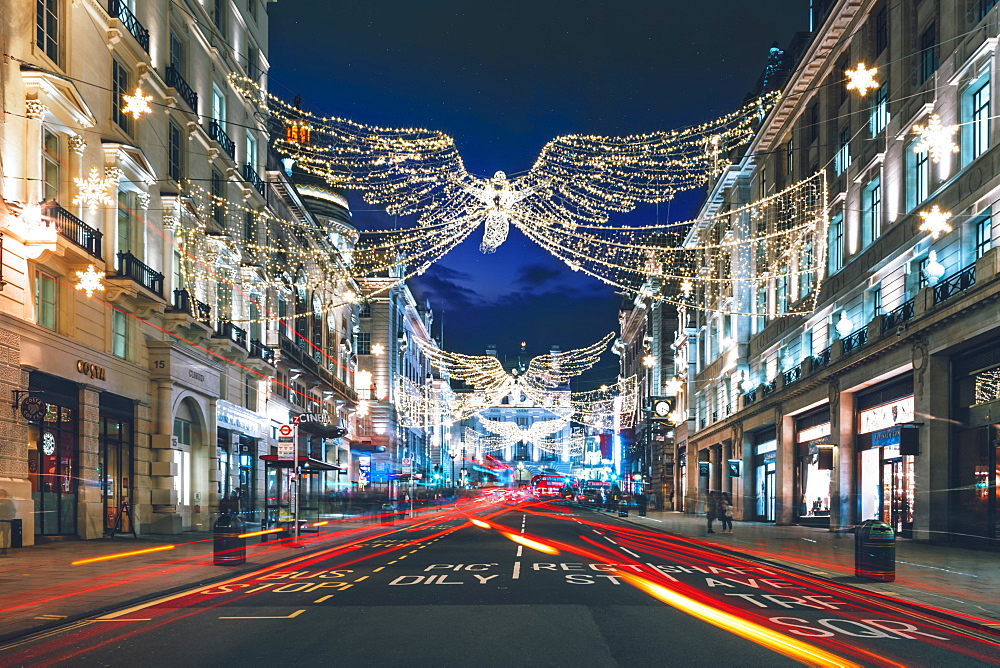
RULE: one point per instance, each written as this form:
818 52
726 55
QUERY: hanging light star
862 79
673 387
935 138
89 281
93 191
935 222
378 349
648 361
137 104
686 287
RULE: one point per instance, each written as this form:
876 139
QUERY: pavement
40 587
952 579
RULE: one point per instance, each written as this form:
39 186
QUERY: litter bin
875 551
623 509
15 533
229 548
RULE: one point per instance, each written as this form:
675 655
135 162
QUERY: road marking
363 577
625 549
610 540
51 617
149 619
392 562
378 569
323 598
517 570
291 616
46 634
520 549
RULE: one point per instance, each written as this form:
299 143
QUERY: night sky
503 79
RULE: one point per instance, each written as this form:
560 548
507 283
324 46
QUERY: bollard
229 548
875 551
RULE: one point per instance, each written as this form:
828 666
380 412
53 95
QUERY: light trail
107 557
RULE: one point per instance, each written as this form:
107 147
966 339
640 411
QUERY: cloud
536 276
442 285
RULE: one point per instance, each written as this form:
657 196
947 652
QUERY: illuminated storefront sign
814 433
886 415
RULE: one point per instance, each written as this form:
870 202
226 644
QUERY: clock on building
48 443
662 407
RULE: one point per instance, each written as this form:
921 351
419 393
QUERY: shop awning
322 430
305 463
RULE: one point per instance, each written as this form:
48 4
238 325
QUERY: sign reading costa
92 370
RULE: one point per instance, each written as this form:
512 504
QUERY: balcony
228 330
131 268
897 316
851 343
216 132
955 284
176 81
749 397
793 374
73 229
119 10
259 351
253 179
821 359
770 388
294 356
202 312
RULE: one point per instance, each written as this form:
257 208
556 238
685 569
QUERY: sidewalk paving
955 579
39 588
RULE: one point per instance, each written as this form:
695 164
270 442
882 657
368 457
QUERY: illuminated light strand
90 280
259 533
108 557
137 104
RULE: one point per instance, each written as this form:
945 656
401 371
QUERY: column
164 518
89 504
785 502
931 399
843 493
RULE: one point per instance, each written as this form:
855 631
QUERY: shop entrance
897 495
767 485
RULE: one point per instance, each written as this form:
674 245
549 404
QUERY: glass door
897 495
115 473
52 471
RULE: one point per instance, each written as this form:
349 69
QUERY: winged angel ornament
576 179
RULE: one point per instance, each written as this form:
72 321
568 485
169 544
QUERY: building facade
882 401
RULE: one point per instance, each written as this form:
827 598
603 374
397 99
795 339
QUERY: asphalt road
537 585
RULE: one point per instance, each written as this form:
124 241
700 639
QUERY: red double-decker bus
547 484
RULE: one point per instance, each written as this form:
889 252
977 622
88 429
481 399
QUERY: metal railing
237 335
793 374
749 397
897 316
951 286
770 388
260 351
252 178
858 338
130 267
120 11
821 359
216 132
202 312
176 81
72 228
182 301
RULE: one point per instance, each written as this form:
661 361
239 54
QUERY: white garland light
94 190
137 104
90 281
935 222
936 139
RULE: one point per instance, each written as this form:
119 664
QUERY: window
250 392
366 310
836 244
806 269
51 160
983 7
976 120
790 157
364 346
249 231
763 182
881 30
120 86
45 300
219 107
781 290
842 160
119 334
928 62
178 271
251 150
871 212
123 236
875 302
922 281
175 156
47 27
252 8
814 121
218 197
761 307
918 175
878 117
218 14
283 325
176 53
984 236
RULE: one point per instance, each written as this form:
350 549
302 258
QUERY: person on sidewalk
725 512
711 507
641 503
7 513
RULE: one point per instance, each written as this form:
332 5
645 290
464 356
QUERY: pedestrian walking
641 503
725 512
711 508
7 513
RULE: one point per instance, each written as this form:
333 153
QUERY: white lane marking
625 549
517 570
123 620
520 550
610 540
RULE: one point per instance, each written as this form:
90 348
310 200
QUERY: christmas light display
862 80
95 190
510 433
935 222
935 138
597 409
90 281
137 104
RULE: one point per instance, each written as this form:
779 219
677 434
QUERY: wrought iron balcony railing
749 397
851 343
253 179
259 351
201 312
955 284
821 359
182 301
72 228
793 374
770 388
237 335
119 10
130 267
216 132
176 81
897 316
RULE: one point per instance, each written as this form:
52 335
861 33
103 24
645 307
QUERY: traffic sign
286 451
286 431
407 461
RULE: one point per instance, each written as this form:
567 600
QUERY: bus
547 485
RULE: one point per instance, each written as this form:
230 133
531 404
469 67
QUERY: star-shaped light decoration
378 349
89 281
935 138
862 79
686 287
648 361
93 191
935 222
673 387
137 104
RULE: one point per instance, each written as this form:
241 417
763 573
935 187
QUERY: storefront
286 485
814 466
765 451
975 452
240 432
116 461
885 469
53 455
681 477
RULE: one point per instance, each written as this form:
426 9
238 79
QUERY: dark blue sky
503 79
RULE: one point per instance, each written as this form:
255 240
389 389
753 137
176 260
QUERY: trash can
16 540
229 548
623 509
875 551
